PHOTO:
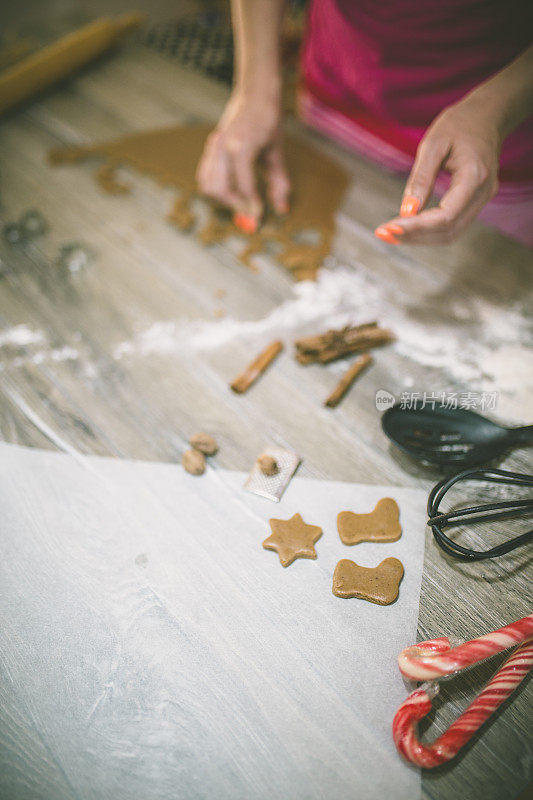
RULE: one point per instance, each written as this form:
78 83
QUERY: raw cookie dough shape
379 584
170 156
292 538
381 525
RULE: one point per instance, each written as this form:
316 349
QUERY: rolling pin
61 58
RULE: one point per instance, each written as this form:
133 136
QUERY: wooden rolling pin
60 59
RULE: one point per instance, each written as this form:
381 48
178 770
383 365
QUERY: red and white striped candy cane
418 704
435 658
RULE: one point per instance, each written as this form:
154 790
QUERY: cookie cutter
434 659
33 224
74 257
30 225
273 486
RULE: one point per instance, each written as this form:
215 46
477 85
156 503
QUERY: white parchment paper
153 649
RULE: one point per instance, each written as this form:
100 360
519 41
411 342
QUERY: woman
419 85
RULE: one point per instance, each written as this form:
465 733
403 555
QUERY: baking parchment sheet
153 649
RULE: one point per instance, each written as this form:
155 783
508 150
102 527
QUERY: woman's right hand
249 127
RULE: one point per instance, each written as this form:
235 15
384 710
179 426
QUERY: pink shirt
392 65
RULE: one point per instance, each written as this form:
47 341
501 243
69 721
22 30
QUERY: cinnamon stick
347 379
313 344
256 368
338 343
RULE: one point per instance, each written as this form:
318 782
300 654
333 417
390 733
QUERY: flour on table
22 345
20 336
332 301
485 347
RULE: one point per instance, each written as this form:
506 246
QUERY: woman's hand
250 125
464 142
249 128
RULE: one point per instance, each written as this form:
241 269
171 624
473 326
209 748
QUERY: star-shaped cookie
292 538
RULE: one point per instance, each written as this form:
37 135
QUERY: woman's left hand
464 141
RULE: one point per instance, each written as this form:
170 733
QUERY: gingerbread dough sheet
170 156
156 650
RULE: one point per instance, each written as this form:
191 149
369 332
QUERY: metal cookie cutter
273 486
434 659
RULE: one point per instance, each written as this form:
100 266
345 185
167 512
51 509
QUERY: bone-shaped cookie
381 525
379 584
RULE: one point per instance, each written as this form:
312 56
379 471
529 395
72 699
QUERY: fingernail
385 235
393 228
245 223
410 206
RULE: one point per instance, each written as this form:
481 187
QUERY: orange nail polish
245 223
385 235
393 228
410 206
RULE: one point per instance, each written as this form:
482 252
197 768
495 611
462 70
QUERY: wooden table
146 405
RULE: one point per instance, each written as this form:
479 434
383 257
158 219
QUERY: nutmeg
268 465
194 462
204 443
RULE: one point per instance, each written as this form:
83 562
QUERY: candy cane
418 704
435 658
